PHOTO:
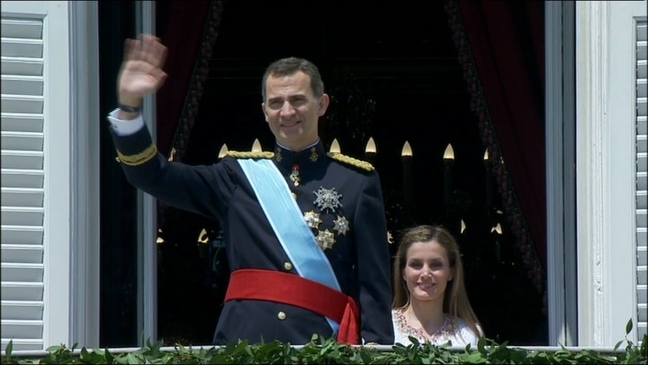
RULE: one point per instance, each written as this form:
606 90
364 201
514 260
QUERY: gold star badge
341 225
313 219
325 239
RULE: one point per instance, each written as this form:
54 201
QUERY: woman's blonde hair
455 298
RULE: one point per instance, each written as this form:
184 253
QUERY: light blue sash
289 225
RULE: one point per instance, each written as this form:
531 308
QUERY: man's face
292 111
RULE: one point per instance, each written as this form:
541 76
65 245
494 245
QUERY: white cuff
125 127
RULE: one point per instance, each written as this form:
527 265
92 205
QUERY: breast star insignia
325 239
327 199
341 225
312 219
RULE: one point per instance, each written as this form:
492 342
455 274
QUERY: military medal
325 239
341 225
294 175
312 219
327 199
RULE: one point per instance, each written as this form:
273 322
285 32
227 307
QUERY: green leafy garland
327 351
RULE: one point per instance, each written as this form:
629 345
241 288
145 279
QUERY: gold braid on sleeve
138 159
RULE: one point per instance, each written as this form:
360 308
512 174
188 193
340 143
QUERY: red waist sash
280 287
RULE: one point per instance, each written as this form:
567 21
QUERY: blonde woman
430 299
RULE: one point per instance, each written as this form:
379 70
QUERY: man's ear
264 112
323 104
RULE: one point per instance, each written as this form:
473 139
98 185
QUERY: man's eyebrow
291 97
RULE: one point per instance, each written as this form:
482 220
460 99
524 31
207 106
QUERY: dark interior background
392 71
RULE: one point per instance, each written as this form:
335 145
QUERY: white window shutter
22 182
642 179
36 174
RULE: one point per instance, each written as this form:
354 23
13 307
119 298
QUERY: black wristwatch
129 109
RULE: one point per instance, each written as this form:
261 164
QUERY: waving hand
141 71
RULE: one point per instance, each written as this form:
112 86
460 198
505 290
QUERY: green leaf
617 345
9 348
475 358
629 326
132 359
54 348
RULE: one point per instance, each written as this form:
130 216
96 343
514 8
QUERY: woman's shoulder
464 333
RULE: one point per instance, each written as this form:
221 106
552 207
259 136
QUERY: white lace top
454 330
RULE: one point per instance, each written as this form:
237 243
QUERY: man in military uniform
305 229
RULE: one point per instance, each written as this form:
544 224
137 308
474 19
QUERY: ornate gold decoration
364 165
313 219
314 156
140 158
325 239
278 155
254 155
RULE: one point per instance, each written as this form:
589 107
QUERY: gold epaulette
364 165
254 155
139 158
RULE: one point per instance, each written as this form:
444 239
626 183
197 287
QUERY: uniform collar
308 157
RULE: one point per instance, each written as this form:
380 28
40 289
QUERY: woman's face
427 271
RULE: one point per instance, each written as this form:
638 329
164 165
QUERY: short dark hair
290 66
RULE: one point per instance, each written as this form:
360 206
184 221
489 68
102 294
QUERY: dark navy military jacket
359 257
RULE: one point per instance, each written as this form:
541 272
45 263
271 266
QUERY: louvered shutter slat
30 254
27 197
30 141
22 85
21 310
15 159
22 178
22 28
22 235
22 122
15 66
23 328
21 103
21 47
22 292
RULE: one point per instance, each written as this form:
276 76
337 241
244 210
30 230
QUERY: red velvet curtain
188 29
501 48
181 28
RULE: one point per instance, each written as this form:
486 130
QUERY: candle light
489 197
172 155
335 146
406 157
448 161
256 146
370 151
223 151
